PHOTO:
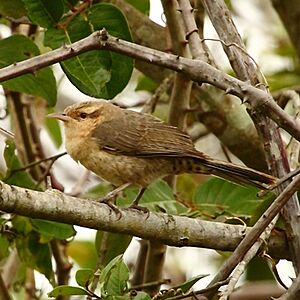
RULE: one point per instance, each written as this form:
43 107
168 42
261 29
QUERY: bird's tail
235 173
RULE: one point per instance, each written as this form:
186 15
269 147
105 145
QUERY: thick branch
171 230
196 70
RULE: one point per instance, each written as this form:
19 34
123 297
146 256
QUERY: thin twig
214 287
30 165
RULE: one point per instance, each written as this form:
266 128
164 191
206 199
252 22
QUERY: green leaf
12 8
220 197
66 290
84 277
259 270
44 13
22 225
96 73
4 246
142 5
158 196
116 244
53 230
83 252
114 278
186 286
41 83
19 178
146 84
35 254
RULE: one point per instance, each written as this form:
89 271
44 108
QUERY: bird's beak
59 116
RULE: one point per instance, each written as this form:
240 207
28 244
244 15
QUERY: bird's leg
110 198
135 202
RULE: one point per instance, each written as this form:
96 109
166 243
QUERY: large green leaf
114 278
44 13
96 73
220 197
115 244
53 230
40 83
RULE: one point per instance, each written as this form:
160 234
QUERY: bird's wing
142 135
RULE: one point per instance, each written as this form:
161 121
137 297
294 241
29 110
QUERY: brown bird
130 148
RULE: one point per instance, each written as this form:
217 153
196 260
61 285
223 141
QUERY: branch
196 70
177 231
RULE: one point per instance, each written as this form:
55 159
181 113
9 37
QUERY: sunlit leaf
114 278
83 252
84 276
66 290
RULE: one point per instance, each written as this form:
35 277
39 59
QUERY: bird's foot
143 209
108 200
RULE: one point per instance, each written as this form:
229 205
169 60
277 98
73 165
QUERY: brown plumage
125 147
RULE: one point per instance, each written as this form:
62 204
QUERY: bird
127 148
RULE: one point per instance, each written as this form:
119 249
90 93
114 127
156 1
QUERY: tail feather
238 174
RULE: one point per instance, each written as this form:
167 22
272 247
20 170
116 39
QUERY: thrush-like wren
126 147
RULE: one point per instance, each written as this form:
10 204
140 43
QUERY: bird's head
82 118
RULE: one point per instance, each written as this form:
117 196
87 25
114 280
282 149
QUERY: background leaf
142 5
96 73
116 244
19 178
220 197
44 13
41 83
35 254
53 230
12 8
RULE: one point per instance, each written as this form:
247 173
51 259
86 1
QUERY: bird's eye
83 115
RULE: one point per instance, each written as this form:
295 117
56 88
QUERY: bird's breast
117 168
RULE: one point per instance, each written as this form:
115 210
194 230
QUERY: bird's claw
140 208
108 201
